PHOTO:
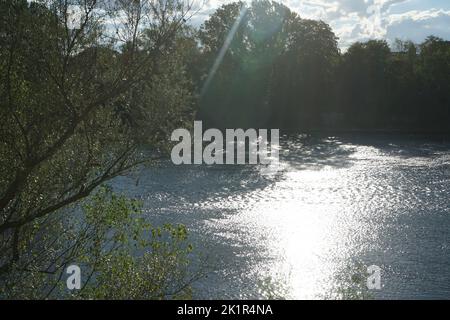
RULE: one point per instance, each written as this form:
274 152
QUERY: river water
339 203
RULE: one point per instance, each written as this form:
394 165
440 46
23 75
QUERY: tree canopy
77 103
262 65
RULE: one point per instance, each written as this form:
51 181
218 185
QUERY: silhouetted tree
433 68
303 75
240 45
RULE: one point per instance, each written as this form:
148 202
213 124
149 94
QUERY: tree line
282 71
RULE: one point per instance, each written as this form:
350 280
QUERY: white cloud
417 25
416 15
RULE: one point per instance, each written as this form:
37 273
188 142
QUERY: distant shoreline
362 131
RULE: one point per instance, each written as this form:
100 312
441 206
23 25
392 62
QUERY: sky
360 20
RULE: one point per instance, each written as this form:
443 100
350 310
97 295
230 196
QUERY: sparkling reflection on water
338 203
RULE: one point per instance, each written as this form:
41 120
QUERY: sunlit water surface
339 204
